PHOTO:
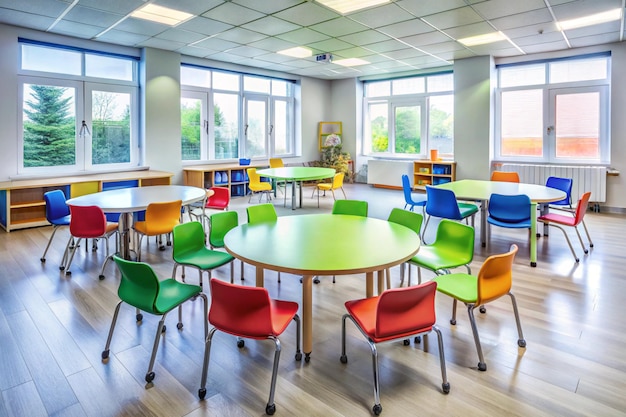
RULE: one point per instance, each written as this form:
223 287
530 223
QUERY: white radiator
388 173
585 178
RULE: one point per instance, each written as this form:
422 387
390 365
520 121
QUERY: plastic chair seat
335 184
463 287
559 218
171 294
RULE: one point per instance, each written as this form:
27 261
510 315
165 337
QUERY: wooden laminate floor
53 329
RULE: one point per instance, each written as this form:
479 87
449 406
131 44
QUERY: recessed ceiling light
161 14
483 39
347 6
351 62
592 19
297 52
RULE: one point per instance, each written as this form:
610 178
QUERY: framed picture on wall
329 134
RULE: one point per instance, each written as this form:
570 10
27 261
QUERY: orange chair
560 220
160 220
249 312
493 281
87 222
504 176
396 314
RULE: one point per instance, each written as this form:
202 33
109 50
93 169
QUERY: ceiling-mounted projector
327 57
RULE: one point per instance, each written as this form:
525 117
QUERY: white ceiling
403 35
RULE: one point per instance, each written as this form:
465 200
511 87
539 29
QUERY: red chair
559 220
396 314
249 312
88 222
219 200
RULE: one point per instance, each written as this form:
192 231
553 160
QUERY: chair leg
150 374
205 363
482 366
580 239
569 243
344 193
521 342
105 352
270 408
377 407
71 257
54 230
586 232
445 385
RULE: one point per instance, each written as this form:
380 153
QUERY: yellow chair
493 281
278 163
160 220
504 176
336 184
258 186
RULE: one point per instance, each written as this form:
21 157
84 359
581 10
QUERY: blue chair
442 203
408 195
510 211
57 213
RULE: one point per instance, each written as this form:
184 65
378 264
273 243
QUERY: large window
78 110
554 112
409 117
228 115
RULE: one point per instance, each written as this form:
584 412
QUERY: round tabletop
482 190
125 200
297 173
323 244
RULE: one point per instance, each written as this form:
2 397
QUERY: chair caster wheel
298 356
521 343
101 277
179 326
417 339
43 260
316 280
452 322
482 309
105 355
149 377
482 366
445 387
240 343
161 248
61 268
139 317
202 393
343 359
270 409
164 329
68 272
377 409
406 342
307 357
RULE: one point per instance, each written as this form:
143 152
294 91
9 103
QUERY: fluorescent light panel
483 39
161 14
590 20
351 62
297 52
347 6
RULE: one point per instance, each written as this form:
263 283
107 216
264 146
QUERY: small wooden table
322 244
480 190
297 175
129 200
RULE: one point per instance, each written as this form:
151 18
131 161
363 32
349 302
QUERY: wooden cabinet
432 173
22 204
232 176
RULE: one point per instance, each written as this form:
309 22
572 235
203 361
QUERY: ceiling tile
303 36
404 53
381 16
451 18
204 26
91 16
307 14
190 6
494 9
406 28
536 17
425 8
275 58
241 35
584 7
356 52
474 29
141 26
273 44
437 48
233 14
161 44
247 51
391 45
590 40
122 38
16 18
182 36
268 7
50 8
329 45
426 39
114 6
216 44
339 27
271 26
226 57
365 37
77 29
195 51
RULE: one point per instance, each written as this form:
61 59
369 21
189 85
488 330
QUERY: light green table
296 175
478 190
322 244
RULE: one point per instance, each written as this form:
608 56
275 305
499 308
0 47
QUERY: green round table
322 244
296 175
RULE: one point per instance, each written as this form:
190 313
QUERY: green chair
189 250
259 214
453 247
408 219
219 225
142 289
351 207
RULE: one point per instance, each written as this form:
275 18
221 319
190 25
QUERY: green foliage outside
49 129
225 142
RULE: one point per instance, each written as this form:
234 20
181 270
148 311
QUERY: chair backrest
352 207
405 310
219 225
240 310
87 222
338 180
220 198
56 208
509 208
187 237
276 163
162 217
581 208
457 238
495 276
504 176
261 213
442 203
406 187
253 177
563 184
139 285
407 218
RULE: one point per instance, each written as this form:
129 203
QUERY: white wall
8 102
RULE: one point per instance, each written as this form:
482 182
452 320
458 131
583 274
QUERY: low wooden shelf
212 175
432 173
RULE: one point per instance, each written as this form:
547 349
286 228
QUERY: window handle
84 130
245 132
550 130
206 126
271 129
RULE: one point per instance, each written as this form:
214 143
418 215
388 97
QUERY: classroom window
77 112
408 117
554 112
